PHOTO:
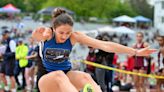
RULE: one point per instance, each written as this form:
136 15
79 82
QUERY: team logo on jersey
56 55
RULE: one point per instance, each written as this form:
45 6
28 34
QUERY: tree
142 7
82 8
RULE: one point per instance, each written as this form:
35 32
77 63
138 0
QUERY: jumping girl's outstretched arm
109 46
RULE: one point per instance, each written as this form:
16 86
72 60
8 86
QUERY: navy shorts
7 67
140 68
30 63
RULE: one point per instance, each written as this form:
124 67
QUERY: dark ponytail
60 17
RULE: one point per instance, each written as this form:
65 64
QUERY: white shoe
6 88
1 86
133 90
13 90
115 89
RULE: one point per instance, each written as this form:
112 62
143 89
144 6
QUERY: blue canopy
142 19
1 9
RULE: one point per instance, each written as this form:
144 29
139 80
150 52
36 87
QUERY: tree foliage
87 8
142 7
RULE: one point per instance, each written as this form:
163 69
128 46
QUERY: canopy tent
91 33
124 18
106 29
142 19
9 8
143 22
1 9
117 30
124 30
48 11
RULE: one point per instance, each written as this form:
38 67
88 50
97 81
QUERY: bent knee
2 75
52 78
86 77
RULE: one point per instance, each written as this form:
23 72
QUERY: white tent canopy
124 18
118 30
91 33
124 30
106 29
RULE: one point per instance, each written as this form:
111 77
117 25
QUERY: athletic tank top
160 60
56 55
139 60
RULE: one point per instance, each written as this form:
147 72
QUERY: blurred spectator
104 77
100 73
160 64
21 53
8 61
139 64
92 58
130 62
41 70
29 71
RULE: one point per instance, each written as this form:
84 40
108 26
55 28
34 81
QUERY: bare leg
13 82
32 73
136 82
79 79
158 88
3 78
27 76
159 83
142 81
56 81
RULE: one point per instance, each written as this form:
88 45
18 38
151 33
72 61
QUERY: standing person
109 58
104 77
8 61
21 53
57 44
40 68
160 62
2 51
139 67
16 70
92 58
29 71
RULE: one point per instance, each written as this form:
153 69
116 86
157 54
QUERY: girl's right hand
42 34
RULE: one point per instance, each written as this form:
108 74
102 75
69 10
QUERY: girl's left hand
145 51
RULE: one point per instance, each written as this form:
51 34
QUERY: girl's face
160 41
31 40
139 37
62 33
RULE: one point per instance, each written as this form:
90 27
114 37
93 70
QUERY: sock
29 87
13 90
6 88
